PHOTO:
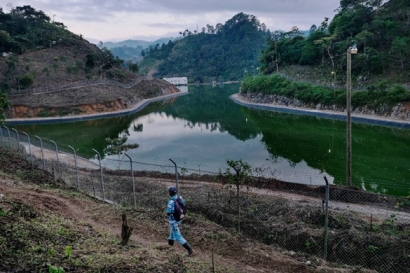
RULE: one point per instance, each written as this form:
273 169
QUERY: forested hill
38 52
380 30
229 51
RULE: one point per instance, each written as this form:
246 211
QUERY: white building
177 80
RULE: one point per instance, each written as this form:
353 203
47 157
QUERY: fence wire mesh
351 227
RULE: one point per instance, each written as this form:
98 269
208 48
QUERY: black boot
171 242
188 247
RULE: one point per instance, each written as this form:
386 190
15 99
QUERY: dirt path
106 219
90 220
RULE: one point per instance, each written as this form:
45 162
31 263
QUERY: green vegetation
132 66
228 51
26 81
4 103
116 146
376 94
25 29
25 36
243 171
380 32
403 202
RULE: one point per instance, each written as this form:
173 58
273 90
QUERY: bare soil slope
61 65
86 100
44 224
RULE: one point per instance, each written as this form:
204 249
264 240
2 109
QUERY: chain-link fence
84 83
340 224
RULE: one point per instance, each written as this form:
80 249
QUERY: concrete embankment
260 103
135 108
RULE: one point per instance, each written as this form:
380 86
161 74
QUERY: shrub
397 93
376 94
26 81
360 99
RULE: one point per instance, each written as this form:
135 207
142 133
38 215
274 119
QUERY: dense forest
26 29
379 29
227 51
243 46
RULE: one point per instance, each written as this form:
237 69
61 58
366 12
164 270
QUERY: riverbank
361 118
133 109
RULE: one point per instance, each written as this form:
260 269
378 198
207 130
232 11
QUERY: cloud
105 19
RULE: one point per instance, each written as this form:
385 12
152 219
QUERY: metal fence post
176 175
42 152
326 219
133 181
102 178
1 131
18 140
76 169
29 147
58 162
8 130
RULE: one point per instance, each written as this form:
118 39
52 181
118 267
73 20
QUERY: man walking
174 232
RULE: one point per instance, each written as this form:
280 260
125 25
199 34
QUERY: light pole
350 51
334 77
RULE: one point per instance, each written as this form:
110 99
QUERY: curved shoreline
381 121
135 108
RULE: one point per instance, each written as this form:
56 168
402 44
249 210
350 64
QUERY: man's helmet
172 190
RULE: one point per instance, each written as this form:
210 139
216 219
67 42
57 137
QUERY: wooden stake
125 230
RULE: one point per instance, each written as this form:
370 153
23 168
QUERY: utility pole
350 51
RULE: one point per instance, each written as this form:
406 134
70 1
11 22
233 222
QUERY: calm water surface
201 130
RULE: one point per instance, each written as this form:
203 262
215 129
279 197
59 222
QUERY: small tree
117 146
4 103
26 81
242 172
133 67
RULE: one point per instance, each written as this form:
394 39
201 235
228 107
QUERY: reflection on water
206 146
201 130
183 88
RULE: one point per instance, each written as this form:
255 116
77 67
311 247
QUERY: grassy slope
44 224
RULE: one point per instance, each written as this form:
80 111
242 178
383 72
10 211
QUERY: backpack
179 210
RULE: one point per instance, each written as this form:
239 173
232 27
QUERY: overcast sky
117 20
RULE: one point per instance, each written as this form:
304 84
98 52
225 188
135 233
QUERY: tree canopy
229 51
380 29
25 28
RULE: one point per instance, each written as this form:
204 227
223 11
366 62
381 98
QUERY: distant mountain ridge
137 43
130 50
